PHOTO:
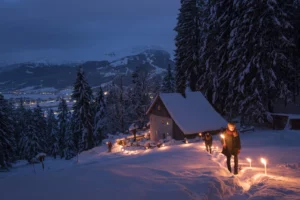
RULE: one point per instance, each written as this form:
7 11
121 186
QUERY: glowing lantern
222 136
249 160
264 162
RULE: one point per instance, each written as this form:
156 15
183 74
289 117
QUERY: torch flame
222 136
263 161
248 159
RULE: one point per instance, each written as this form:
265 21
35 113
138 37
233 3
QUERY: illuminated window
167 123
158 107
162 121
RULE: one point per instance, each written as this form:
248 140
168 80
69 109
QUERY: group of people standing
231 145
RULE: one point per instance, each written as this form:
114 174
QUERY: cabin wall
279 122
295 124
177 133
159 109
160 127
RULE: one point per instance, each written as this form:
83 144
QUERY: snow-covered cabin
173 115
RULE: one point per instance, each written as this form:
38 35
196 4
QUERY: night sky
73 30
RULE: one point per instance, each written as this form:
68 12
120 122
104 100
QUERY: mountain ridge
29 74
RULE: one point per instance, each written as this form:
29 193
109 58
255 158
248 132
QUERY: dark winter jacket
233 144
208 140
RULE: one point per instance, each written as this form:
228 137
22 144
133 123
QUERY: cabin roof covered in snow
192 114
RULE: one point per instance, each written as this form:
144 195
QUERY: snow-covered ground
182 171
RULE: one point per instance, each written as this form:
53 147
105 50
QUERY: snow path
180 172
281 182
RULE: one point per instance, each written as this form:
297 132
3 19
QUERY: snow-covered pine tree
52 134
83 96
140 99
69 147
155 83
7 137
32 142
21 122
63 113
208 82
225 87
100 117
168 85
40 124
259 53
296 24
78 141
187 43
116 115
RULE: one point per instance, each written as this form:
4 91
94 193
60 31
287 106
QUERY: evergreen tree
69 147
82 94
40 126
260 47
168 85
52 133
214 36
79 142
100 120
296 53
115 109
7 138
20 121
187 44
63 114
140 99
31 143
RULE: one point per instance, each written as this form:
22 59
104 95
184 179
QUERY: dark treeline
243 55
26 132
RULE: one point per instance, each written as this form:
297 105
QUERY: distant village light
105 93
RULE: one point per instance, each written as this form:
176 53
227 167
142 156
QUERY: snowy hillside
45 75
121 53
182 171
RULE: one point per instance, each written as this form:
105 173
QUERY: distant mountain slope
22 75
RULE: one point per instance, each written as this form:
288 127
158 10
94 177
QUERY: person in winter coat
231 146
109 145
208 142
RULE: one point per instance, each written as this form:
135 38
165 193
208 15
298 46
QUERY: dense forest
243 55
